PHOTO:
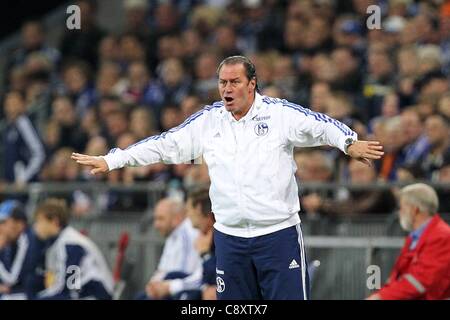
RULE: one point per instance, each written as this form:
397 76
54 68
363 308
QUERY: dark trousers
269 267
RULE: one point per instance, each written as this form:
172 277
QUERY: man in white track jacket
247 141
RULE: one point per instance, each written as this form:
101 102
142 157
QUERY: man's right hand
98 163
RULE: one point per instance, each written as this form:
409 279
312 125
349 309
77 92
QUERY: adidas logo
220 271
217 135
293 264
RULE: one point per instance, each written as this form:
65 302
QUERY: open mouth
228 99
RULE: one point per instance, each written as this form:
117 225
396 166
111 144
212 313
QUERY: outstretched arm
178 145
306 128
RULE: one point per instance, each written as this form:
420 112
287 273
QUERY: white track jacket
253 188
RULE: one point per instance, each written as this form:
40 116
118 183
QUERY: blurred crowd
98 90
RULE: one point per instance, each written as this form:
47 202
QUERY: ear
416 210
252 84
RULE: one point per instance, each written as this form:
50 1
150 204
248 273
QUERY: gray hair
422 196
250 69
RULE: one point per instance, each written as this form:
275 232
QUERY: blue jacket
19 262
23 151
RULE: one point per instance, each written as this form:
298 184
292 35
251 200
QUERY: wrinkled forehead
232 71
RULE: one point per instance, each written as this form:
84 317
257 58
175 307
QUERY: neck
241 113
420 220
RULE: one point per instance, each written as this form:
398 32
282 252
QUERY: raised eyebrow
234 79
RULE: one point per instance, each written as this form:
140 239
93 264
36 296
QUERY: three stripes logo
293 264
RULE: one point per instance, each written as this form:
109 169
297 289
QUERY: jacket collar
257 103
430 225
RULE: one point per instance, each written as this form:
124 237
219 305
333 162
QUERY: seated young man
74 266
20 252
199 212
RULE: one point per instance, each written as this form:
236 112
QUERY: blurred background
139 67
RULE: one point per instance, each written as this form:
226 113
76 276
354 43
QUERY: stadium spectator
136 14
379 79
284 78
141 89
109 49
205 75
109 81
349 77
174 82
33 41
77 85
437 131
23 152
179 258
319 94
116 124
444 106
20 254
393 140
416 143
71 134
192 46
421 270
357 201
410 173
226 41
41 78
189 106
142 123
74 266
59 169
170 117
444 177
314 166
132 49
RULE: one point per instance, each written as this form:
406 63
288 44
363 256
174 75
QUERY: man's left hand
160 289
365 151
4 289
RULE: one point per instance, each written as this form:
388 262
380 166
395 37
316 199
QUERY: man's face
138 76
194 213
74 79
163 219
44 227
361 173
406 215
3 237
32 36
14 106
444 174
236 91
411 125
435 130
11 229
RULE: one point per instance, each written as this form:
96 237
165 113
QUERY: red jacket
423 272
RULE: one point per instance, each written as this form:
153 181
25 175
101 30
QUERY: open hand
98 163
365 151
